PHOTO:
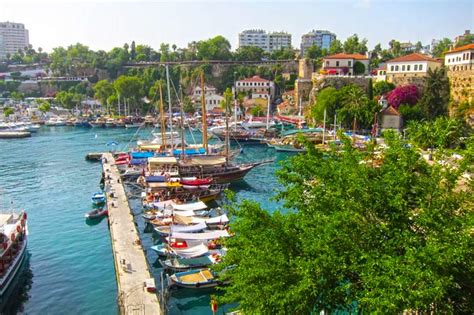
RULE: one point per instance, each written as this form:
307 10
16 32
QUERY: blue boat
98 198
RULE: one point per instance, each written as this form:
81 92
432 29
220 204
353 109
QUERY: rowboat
194 279
180 264
98 213
98 198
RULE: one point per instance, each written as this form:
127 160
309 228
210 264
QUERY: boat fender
198 285
12 237
18 228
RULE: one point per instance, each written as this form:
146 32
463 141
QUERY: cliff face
461 84
335 82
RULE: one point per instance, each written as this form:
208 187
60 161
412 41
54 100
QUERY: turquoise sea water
71 267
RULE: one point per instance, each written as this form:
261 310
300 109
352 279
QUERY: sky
104 24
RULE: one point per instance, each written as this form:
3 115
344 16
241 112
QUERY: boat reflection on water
17 294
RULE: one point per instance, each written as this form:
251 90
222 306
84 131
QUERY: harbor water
71 265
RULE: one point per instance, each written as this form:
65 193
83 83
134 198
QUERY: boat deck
202 276
131 267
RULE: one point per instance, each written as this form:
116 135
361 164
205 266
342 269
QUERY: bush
359 67
405 94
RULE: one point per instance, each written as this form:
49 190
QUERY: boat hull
18 263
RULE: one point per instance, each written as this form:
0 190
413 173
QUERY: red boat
197 181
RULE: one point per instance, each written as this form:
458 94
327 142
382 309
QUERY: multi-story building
13 36
269 42
462 37
412 65
320 38
461 58
256 87
343 64
212 99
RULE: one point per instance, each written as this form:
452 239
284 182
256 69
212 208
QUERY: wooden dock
131 267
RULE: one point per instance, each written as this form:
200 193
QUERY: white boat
165 230
13 236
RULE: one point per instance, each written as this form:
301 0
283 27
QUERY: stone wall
406 79
461 84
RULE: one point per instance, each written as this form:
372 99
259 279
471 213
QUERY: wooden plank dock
131 267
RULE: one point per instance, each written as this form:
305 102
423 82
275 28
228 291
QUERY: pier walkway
131 268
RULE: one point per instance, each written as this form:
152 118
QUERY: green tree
410 112
359 68
133 51
356 106
102 90
44 106
66 99
356 238
466 40
435 99
129 88
283 54
418 46
335 47
216 48
442 133
382 88
16 96
7 111
313 52
257 111
441 47
352 45
250 53
328 99
395 48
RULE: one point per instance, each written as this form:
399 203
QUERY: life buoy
18 228
12 237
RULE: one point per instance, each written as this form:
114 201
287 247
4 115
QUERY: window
408 67
403 67
391 68
396 68
337 63
415 67
420 67
327 63
349 63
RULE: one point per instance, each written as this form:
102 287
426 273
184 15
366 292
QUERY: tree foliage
328 99
7 111
359 68
435 99
335 47
356 237
383 87
353 45
441 47
442 133
217 48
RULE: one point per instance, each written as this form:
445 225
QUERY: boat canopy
150 147
142 155
194 206
138 161
222 219
160 160
205 160
190 252
210 235
181 228
155 179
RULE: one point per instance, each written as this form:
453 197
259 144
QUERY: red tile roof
413 57
465 47
255 78
390 110
347 56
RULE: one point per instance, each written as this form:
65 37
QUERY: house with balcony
343 64
461 58
256 87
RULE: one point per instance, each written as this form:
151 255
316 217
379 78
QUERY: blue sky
103 24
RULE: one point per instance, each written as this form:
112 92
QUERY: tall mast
335 126
119 104
182 123
227 106
169 104
324 126
162 118
204 114
268 111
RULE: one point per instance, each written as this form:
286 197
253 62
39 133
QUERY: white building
269 42
343 64
415 64
461 58
256 87
212 99
320 38
13 36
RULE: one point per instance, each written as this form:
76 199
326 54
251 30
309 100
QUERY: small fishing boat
180 264
98 213
98 198
194 279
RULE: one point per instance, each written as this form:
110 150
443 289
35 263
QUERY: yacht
13 253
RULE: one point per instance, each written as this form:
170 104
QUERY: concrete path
131 266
